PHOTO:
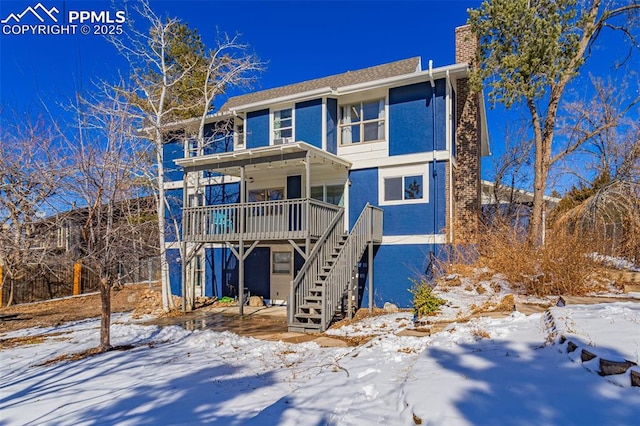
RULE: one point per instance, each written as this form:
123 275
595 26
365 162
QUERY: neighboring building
53 248
318 184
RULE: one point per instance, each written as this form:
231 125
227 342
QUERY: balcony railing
265 220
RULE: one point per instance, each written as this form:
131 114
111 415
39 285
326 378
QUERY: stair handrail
312 260
339 277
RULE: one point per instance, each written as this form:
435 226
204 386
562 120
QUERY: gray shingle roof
392 69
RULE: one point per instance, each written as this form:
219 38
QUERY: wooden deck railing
265 220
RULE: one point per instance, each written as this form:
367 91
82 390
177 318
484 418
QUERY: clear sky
300 40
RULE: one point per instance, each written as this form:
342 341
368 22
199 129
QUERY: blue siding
393 266
257 129
175 271
411 219
363 190
332 126
417 118
308 122
172 150
218 277
173 213
404 219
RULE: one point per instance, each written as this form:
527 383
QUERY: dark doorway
257 271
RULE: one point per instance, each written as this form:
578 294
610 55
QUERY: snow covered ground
487 371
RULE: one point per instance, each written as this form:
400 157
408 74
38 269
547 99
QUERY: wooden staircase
329 272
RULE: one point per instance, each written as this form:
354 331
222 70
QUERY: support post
241 244
77 278
183 244
307 195
370 273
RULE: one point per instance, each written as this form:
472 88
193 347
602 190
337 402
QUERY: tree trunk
105 323
167 300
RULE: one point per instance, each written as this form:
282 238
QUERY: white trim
296 97
364 160
396 240
323 126
272 130
405 79
402 172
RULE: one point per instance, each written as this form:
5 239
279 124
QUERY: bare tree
510 172
175 78
606 203
107 184
31 171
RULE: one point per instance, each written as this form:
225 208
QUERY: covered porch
288 194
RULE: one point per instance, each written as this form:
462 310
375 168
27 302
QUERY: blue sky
299 40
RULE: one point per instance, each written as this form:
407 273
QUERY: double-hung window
403 185
283 126
362 122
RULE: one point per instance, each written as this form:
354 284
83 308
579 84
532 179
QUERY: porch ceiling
229 163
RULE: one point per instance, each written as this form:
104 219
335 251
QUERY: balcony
268 220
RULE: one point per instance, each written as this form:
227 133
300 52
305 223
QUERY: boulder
256 301
390 307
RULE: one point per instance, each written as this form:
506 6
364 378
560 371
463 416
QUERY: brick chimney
466 176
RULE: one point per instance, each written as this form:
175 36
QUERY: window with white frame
192 147
362 122
281 262
403 185
239 135
283 126
332 194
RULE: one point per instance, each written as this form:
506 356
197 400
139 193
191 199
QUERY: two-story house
323 193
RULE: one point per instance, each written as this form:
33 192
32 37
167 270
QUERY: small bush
424 301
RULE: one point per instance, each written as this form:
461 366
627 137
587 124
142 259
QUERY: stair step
311 317
314 306
304 328
313 299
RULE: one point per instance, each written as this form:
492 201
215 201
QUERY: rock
390 307
586 355
256 301
608 368
635 378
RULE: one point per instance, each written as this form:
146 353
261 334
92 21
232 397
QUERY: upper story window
362 122
192 147
283 126
238 135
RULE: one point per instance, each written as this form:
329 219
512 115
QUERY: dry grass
561 266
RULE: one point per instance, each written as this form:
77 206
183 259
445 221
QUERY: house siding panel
172 150
393 266
364 189
416 219
308 122
332 125
175 271
173 213
417 118
257 129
